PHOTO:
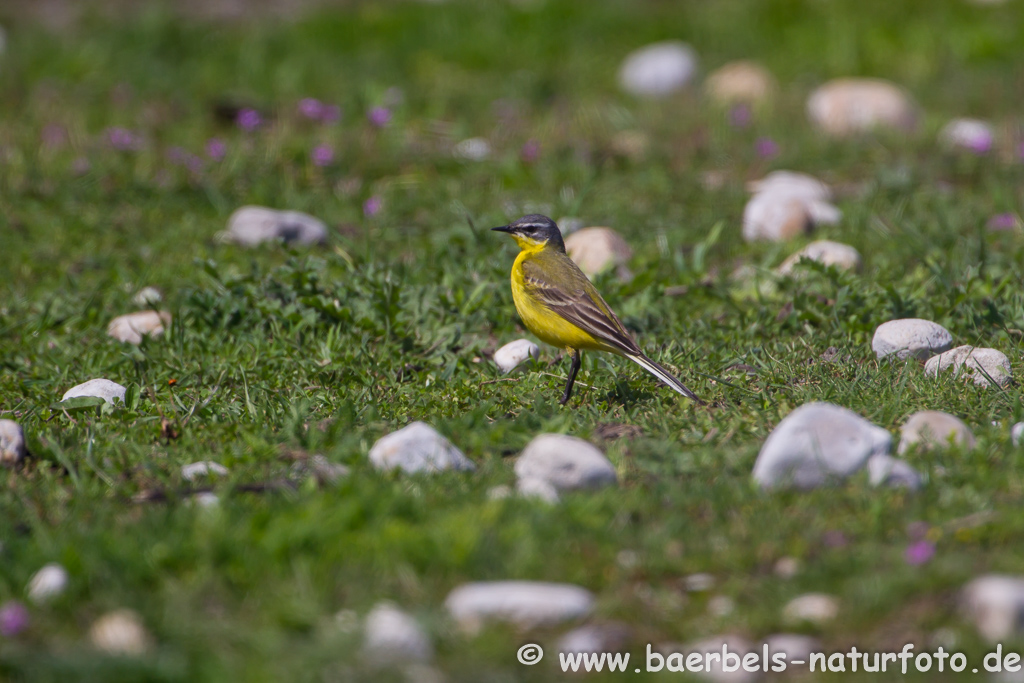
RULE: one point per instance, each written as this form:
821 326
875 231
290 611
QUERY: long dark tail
664 375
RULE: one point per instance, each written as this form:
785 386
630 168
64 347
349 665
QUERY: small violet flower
739 116
311 108
54 136
530 151
766 148
834 539
216 149
919 552
322 155
249 119
1002 221
330 113
372 206
379 116
14 619
980 144
122 139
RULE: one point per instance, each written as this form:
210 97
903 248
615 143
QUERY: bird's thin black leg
573 369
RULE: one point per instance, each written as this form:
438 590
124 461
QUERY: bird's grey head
534 229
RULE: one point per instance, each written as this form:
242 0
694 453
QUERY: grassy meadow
278 353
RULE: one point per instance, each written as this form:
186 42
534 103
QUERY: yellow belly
549 327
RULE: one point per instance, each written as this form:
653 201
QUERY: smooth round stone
1017 434
776 218
910 337
994 603
473 149
885 470
202 470
814 608
815 443
658 69
527 604
132 327
595 638
740 81
120 633
47 583
787 567
391 636
12 442
934 429
842 256
970 134
147 296
737 645
417 448
253 225
565 462
541 489
699 583
111 392
847 106
793 184
598 249
986 367
509 356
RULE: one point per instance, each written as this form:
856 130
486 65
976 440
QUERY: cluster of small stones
785 205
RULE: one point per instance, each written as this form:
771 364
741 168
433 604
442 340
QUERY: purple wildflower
372 206
311 108
1020 151
530 152
766 148
249 119
379 116
919 552
739 116
917 530
54 136
834 539
331 113
322 155
1003 221
176 155
13 619
980 144
216 149
122 139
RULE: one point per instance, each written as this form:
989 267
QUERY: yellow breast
549 327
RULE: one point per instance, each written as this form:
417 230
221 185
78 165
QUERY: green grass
278 352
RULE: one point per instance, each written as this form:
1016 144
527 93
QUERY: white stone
120 633
132 327
970 134
793 184
252 225
985 366
934 429
565 462
595 638
793 645
598 249
717 673
775 217
202 470
658 69
847 106
417 448
500 492
526 604
814 608
473 149
47 583
787 567
533 487
512 354
1017 434
892 472
392 636
321 469
740 81
815 443
910 337
995 604
721 606
204 499
147 296
111 392
699 583
842 256
12 442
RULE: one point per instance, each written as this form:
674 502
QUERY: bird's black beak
503 228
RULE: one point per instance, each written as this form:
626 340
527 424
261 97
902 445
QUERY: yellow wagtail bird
563 308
